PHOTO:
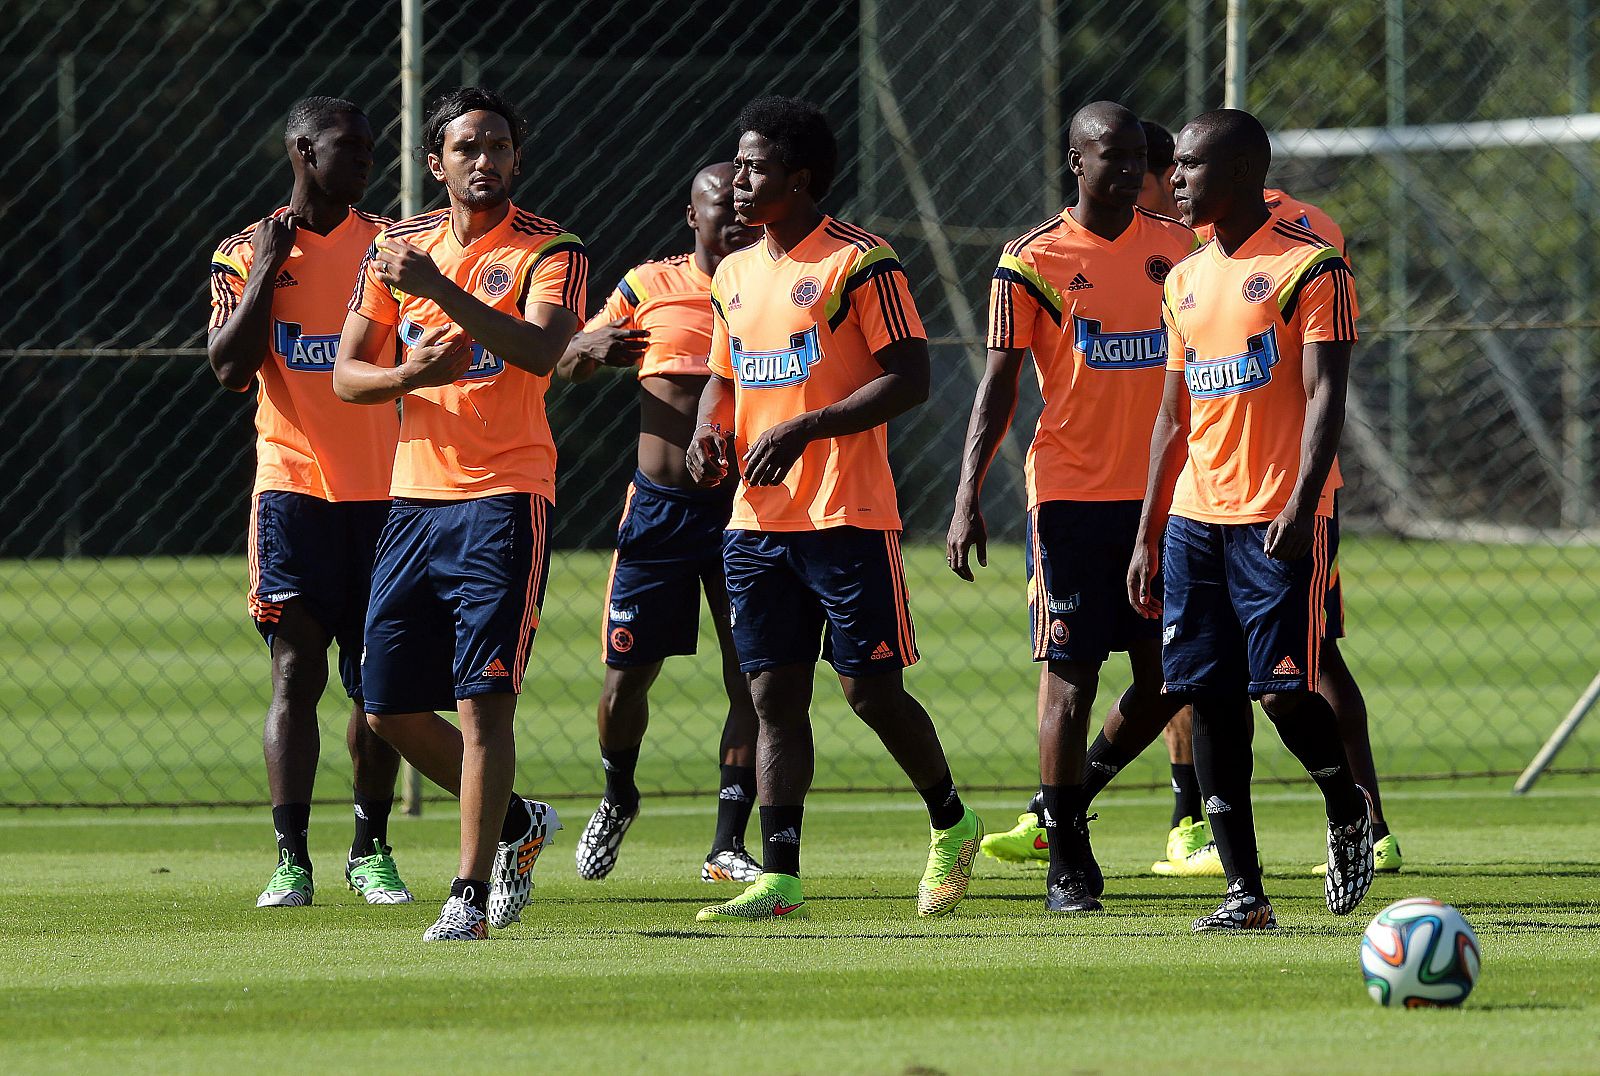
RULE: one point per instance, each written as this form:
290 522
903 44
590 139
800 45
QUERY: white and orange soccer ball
1418 952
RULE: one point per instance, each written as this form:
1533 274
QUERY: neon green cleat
1385 858
771 896
1027 843
290 886
1191 853
950 856
377 878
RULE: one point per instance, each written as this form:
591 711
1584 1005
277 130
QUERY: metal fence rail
1453 141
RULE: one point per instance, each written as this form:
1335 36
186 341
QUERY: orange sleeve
1325 302
227 286
560 276
881 304
372 299
1175 345
721 358
618 305
1012 313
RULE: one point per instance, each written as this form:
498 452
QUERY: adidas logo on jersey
785 836
1216 805
882 652
1079 283
1187 303
284 280
495 668
734 304
1286 667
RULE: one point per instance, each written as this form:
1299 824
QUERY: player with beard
485 297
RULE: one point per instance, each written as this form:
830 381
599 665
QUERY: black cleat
1070 893
1350 861
1074 837
1239 912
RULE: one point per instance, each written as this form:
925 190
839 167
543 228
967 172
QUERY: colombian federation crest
496 280
1257 288
806 291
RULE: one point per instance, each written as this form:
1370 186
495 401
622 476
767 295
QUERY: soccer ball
1419 952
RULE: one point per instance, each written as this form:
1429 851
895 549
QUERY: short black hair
801 134
1237 132
457 103
1159 147
310 116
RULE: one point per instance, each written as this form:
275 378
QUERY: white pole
1560 736
410 206
1238 50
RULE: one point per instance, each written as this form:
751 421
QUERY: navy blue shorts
1077 556
456 596
669 546
843 585
1233 618
319 552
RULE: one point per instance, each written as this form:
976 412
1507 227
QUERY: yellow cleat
950 856
1191 853
1027 843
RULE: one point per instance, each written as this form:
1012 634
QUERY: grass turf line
135 945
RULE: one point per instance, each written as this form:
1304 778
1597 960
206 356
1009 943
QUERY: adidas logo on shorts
882 653
1286 667
496 668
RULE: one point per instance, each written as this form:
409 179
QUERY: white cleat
601 841
511 881
458 921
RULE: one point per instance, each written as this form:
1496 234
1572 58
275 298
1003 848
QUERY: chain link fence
1453 141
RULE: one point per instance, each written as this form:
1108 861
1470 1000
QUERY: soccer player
278 291
1260 325
484 297
1337 684
669 544
1083 292
816 345
1155 190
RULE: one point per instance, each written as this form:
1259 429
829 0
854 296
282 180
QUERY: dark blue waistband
722 494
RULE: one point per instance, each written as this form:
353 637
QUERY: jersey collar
491 238
305 238
1098 240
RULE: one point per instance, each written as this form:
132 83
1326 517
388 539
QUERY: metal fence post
410 205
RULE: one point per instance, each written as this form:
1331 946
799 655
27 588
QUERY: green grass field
143 681
130 945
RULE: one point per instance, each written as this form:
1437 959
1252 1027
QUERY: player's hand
768 461
1143 594
967 529
709 452
1289 536
407 268
439 357
273 240
612 345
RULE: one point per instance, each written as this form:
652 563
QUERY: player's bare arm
711 447
361 377
534 344
612 345
1169 447
902 386
1327 372
992 411
237 349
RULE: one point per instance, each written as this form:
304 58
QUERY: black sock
1103 762
1311 733
735 797
372 824
1036 804
780 839
1185 794
291 820
1056 803
621 792
1380 830
1223 763
945 808
518 815
472 891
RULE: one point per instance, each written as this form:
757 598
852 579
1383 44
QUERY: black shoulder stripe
1290 230
1322 268
1016 246
224 269
1045 302
845 237
860 233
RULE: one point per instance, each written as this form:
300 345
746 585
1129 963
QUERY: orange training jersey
795 334
486 433
307 439
1286 207
671 300
1236 327
1091 311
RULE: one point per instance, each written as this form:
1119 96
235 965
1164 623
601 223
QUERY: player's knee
875 700
1280 705
379 725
